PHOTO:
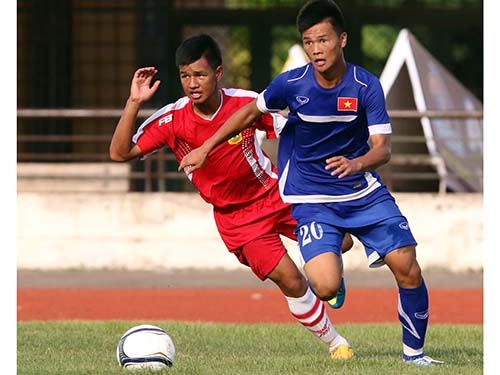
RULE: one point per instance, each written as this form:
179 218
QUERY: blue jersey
326 122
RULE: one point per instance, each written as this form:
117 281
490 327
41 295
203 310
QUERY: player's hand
141 89
193 161
342 166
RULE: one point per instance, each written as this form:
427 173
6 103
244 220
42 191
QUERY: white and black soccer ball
145 347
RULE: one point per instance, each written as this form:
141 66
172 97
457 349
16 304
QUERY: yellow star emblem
347 104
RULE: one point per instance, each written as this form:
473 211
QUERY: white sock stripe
317 321
320 311
412 352
302 305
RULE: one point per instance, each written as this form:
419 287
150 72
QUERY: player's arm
121 147
379 154
379 126
238 122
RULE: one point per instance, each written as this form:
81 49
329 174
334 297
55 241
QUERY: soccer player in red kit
239 180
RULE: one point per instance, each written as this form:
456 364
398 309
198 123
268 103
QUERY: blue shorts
379 226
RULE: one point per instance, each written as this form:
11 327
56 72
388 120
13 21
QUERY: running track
251 305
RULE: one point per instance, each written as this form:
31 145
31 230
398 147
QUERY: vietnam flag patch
347 104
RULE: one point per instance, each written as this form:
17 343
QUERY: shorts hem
316 253
379 261
275 264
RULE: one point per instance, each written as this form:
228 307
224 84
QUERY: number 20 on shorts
310 232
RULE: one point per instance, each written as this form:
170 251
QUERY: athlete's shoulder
167 110
239 93
297 74
235 98
362 76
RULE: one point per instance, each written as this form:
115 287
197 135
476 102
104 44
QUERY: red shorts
252 233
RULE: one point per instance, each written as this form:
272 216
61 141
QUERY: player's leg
404 266
392 240
286 226
268 259
320 246
347 243
413 303
309 310
338 301
324 274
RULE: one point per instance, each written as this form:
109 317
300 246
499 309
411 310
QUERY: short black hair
316 11
194 48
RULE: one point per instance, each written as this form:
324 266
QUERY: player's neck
333 76
210 107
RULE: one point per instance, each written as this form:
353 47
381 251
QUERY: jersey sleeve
272 124
154 133
376 112
273 98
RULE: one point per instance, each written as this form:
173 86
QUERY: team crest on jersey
347 104
236 139
165 120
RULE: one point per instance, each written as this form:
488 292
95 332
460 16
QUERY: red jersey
236 172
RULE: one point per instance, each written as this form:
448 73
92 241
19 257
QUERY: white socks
310 311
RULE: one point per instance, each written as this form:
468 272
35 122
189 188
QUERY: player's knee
326 291
410 277
296 285
292 285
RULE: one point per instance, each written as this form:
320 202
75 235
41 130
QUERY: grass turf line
89 347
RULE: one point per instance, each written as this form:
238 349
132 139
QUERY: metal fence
159 171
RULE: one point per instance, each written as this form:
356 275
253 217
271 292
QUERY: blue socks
413 306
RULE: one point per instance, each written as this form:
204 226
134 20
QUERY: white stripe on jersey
279 122
380 129
239 92
318 198
321 119
169 107
302 76
261 167
264 162
356 78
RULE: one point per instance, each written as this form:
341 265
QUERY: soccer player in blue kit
327 168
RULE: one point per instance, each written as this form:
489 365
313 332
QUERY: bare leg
324 273
307 308
404 266
413 300
347 243
288 278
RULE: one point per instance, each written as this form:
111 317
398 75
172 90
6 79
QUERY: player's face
323 46
200 81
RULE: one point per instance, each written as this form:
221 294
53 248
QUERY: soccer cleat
337 301
342 351
422 360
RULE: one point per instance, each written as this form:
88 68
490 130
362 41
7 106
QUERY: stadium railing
153 174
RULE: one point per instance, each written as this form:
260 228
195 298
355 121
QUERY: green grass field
88 347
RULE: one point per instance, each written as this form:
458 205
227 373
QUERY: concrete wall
176 230
74 177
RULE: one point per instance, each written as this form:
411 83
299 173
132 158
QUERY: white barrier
176 230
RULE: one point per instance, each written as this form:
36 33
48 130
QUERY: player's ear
219 72
343 39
